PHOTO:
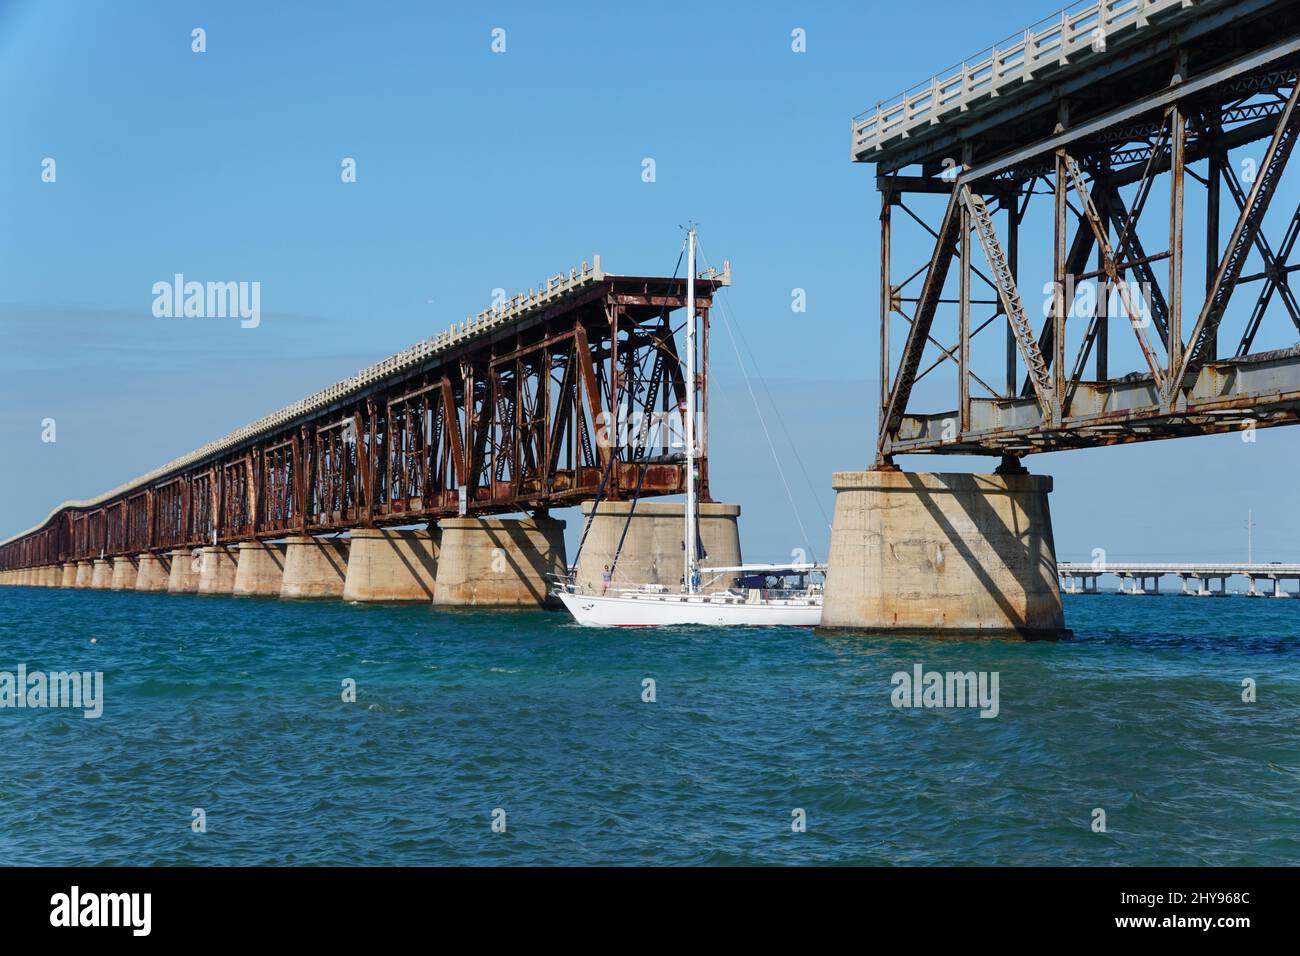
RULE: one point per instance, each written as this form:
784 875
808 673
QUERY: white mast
688 581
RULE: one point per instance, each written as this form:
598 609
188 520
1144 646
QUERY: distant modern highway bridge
1197 579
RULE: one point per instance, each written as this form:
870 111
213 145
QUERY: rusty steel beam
526 416
1221 92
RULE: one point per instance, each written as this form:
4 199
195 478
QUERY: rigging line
776 410
727 323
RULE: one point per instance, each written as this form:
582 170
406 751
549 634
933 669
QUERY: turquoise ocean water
235 706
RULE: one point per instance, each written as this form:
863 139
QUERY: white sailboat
734 602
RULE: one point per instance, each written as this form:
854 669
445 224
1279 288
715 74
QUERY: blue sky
475 171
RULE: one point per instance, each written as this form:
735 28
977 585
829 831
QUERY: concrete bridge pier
68 574
260 569
85 569
943 555
314 567
152 573
1081 583
1276 590
392 566
217 570
183 575
101 574
652 547
125 570
499 562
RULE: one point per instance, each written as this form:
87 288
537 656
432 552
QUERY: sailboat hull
668 610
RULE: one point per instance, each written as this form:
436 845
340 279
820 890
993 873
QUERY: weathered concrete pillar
499 562
652 550
101 575
152 571
217 570
261 569
68 574
314 567
943 555
124 573
85 571
392 565
183 575
45 576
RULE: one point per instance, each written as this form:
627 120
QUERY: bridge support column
68 574
943 555
183 576
85 570
101 575
314 567
260 569
217 570
652 549
152 571
499 562
391 566
125 569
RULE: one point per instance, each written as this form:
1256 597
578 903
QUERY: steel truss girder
524 420
1207 127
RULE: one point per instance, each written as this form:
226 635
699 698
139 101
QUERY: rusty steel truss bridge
560 392
1134 148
